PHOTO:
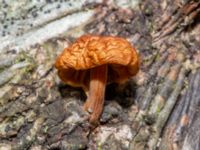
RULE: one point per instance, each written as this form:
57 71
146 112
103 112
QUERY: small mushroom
92 62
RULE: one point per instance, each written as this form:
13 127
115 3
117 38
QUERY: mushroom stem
95 100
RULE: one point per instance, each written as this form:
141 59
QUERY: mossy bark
157 109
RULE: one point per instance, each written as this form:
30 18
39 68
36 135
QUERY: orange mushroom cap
91 51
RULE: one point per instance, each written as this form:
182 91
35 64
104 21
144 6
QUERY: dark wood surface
157 109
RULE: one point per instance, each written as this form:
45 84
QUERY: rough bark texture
157 109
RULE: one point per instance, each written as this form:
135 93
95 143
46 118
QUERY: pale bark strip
166 111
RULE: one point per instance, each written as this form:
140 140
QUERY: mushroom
92 62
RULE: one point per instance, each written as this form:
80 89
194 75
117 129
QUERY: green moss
45 129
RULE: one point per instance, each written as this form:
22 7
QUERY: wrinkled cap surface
91 51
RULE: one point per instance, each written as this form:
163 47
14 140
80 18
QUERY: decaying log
157 109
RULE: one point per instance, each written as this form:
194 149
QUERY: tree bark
157 109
